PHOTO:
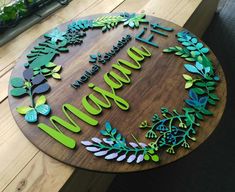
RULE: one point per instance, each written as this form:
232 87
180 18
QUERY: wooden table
24 167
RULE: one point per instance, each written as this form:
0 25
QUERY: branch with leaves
115 146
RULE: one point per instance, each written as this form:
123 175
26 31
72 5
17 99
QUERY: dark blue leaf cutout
38 79
41 88
28 74
203 100
193 95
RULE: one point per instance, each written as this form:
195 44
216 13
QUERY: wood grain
158 84
18 45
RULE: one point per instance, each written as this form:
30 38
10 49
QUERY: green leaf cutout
18 92
23 109
17 82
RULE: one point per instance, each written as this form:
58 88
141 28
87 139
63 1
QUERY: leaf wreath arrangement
40 64
172 129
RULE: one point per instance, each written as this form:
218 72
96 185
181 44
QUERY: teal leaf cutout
17 82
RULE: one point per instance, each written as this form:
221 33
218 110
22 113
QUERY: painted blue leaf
194 40
131 158
188 37
96 140
28 74
199 45
31 116
111 156
119 136
103 132
107 141
186 43
114 131
121 158
203 100
196 53
204 50
193 95
41 88
207 70
116 145
190 102
140 158
108 126
38 79
191 68
199 66
43 109
101 153
86 143
92 149
133 144
191 48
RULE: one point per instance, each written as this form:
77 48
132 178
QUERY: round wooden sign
117 92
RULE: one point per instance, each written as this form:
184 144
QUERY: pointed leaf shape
103 132
108 126
190 102
207 70
96 140
140 158
111 156
41 100
188 84
57 68
86 143
101 153
193 95
203 100
204 50
43 109
38 79
23 109
107 141
199 45
31 116
41 88
187 77
199 66
133 144
191 68
92 149
191 48
50 64
114 131
121 158
17 82
56 76
131 158
143 145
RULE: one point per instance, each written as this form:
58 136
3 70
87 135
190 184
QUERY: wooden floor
24 167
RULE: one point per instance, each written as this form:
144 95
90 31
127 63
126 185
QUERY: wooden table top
25 162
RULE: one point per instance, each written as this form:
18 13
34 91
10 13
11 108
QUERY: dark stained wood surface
159 83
